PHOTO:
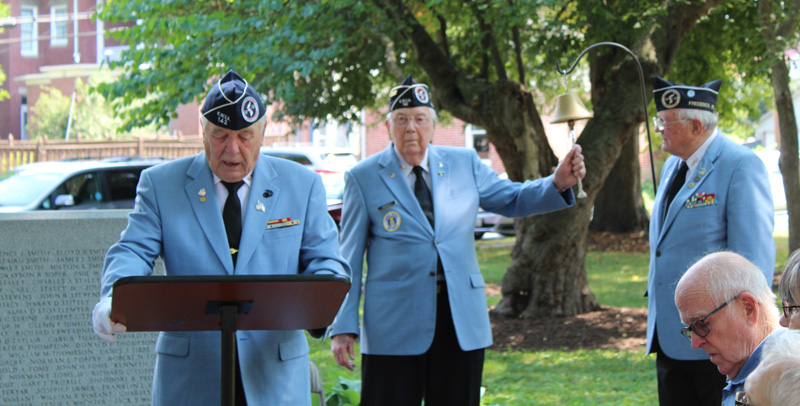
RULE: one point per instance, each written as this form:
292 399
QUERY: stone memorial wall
50 266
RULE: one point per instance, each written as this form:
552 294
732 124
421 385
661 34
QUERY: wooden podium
228 303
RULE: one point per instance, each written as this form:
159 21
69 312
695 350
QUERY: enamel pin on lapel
202 194
260 206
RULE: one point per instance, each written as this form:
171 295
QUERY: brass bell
569 108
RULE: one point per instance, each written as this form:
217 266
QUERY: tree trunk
784 107
619 207
790 168
539 283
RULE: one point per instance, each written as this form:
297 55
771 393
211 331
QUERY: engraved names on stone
50 265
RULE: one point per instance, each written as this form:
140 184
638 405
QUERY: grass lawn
584 377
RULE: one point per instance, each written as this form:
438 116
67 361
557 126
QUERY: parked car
493 223
330 163
317 158
72 184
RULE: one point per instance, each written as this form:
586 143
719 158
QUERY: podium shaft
228 329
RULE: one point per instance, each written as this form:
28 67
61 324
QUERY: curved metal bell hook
642 86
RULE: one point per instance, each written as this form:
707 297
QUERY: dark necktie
675 186
232 217
423 195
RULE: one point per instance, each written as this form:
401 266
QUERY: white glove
102 324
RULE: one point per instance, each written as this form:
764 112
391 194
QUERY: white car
72 185
319 159
330 163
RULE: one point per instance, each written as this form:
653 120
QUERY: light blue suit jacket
172 221
735 214
382 217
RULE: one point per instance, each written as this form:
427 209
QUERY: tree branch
517 49
789 26
431 58
488 41
441 35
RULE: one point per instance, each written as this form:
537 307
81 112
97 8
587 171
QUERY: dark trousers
683 383
444 375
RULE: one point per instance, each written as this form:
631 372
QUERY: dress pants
682 383
444 375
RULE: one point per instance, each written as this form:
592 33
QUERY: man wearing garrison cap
209 214
411 208
713 195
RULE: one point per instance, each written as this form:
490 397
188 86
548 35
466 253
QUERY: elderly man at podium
226 211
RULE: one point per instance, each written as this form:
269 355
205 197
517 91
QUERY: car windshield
19 187
339 161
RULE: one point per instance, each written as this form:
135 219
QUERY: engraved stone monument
50 266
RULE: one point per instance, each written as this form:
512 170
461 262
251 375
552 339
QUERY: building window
23 119
58 25
29 45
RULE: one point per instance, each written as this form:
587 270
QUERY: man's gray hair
789 288
707 118
730 275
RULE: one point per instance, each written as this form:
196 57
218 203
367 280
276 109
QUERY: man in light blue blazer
412 209
720 200
182 213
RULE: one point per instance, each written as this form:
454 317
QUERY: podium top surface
191 303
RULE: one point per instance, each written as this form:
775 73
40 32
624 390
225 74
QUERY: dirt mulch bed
612 327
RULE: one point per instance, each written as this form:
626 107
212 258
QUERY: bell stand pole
644 96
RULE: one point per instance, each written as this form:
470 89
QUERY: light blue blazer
172 221
726 203
382 217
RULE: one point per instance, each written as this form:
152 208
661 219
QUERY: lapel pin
697 179
441 165
391 175
260 206
440 173
202 194
267 193
702 171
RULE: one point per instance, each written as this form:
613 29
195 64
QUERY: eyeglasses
402 121
741 399
787 311
699 326
660 124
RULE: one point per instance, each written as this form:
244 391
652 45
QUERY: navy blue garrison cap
668 95
409 94
232 103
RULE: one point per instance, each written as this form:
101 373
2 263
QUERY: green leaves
346 392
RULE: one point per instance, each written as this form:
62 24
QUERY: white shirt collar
694 159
